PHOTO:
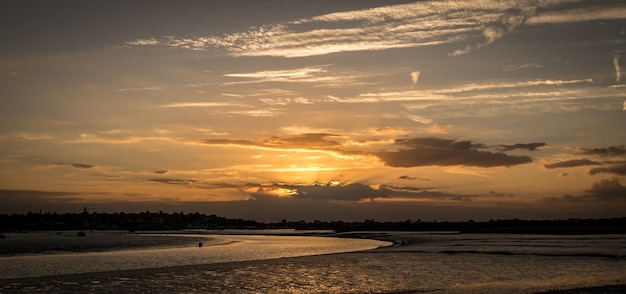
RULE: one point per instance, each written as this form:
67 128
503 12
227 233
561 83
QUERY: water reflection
227 248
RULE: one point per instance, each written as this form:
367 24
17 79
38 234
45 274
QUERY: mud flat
47 242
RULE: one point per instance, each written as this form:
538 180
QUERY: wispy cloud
618 70
203 104
115 138
580 15
299 74
305 141
315 75
139 89
25 136
423 23
415 76
511 67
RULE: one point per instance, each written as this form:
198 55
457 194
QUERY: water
431 263
227 248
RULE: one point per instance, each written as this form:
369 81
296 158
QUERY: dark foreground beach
400 269
92 241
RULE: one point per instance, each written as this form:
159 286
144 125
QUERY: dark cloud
572 163
161 172
529 146
443 152
610 151
619 169
80 165
413 178
75 165
351 192
605 190
497 194
608 190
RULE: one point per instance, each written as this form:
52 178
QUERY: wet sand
359 272
93 241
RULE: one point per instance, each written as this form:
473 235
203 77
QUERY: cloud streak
316 141
618 70
571 163
423 23
579 15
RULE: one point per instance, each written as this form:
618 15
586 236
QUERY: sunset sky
305 110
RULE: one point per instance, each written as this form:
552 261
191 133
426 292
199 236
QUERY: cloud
619 169
353 192
610 151
523 66
442 152
173 181
608 190
203 104
24 136
618 73
74 165
495 29
579 15
529 146
415 76
350 192
306 140
605 190
313 141
80 165
306 74
572 163
413 178
424 23
140 89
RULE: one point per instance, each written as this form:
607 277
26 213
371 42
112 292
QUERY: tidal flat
418 263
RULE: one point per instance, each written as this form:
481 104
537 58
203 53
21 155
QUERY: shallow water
224 248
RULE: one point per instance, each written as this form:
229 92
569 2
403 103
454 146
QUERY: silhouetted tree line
176 221
514 226
119 221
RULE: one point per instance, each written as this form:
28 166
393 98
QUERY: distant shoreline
159 221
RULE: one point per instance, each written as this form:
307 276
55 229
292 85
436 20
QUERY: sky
315 110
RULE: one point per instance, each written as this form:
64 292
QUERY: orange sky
447 110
